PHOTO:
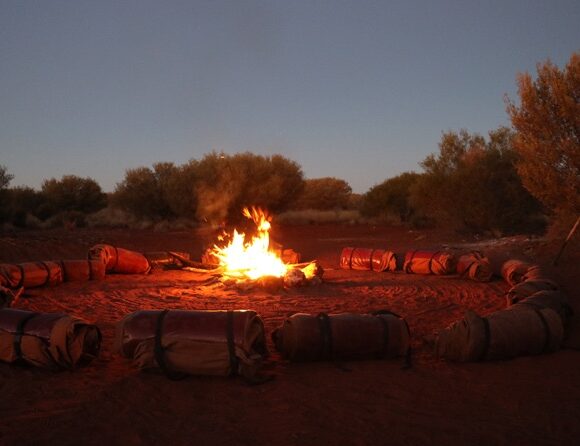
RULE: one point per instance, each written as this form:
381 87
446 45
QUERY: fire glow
253 259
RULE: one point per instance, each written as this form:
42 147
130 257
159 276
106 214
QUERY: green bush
22 202
143 191
180 190
5 179
228 183
473 184
548 134
324 194
214 189
72 194
390 199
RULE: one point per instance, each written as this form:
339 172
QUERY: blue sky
359 90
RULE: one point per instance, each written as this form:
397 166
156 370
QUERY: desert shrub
228 183
20 203
72 194
317 216
110 217
180 190
547 123
213 189
143 191
5 177
324 194
473 184
390 199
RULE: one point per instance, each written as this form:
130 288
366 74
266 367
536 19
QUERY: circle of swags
224 343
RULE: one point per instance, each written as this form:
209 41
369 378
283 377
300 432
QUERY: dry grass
314 216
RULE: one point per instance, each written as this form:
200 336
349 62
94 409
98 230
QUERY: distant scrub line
512 181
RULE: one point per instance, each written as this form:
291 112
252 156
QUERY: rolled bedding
119 260
368 259
346 336
529 287
515 271
520 330
553 299
82 270
429 262
49 340
475 266
30 274
49 273
182 342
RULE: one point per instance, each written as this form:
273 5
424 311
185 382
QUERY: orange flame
254 259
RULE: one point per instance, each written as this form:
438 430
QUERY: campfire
244 260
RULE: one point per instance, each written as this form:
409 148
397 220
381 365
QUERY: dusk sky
358 90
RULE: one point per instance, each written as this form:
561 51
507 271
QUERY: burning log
306 337
48 340
288 256
167 259
429 262
193 342
119 260
307 274
254 263
368 259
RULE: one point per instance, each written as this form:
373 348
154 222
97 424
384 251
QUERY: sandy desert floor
528 400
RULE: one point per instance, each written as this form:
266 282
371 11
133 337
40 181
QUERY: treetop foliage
472 183
73 193
5 177
213 189
324 194
547 122
391 198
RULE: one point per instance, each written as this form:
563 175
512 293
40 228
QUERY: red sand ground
530 400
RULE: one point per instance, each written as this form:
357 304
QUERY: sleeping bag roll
30 274
429 262
48 340
193 342
367 259
517 331
475 266
346 336
82 270
120 260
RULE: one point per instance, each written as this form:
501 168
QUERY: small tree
72 193
227 183
22 202
547 123
5 177
324 193
141 192
473 184
391 198
180 190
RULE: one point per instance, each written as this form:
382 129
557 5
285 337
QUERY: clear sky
359 90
